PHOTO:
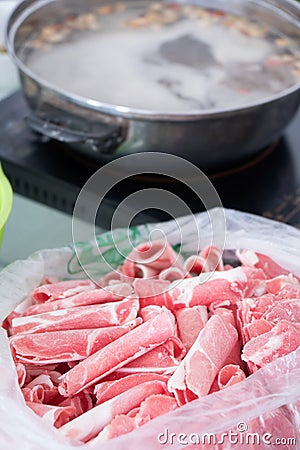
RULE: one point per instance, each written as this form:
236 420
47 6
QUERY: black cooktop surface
53 174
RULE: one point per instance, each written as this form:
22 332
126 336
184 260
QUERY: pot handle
106 139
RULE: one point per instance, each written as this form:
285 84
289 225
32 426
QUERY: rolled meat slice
22 373
226 285
34 371
195 265
65 345
109 389
213 258
206 357
284 310
121 424
190 321
41 380
154 406
229 375
117 354
158 360
155 256
89 424
281 340
40 389
92 297
227 315
35 394
81 317
151 292
208 260
254 259
132 270
54 415
195 291
17 312
285 286
63 289
82 403
148 312
256 328
235 355
172 274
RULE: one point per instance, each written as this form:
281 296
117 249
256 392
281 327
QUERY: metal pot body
211 140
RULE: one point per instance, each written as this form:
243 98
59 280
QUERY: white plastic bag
276 385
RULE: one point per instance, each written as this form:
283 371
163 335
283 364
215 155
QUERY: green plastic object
6 201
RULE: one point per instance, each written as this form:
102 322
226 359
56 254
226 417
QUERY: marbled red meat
230 375
65 345
198 369
148 259
98 366
117 354
151 292
108 389
284 310
153 406
63 289
92 297
268 265
81 317
89 424
54 415
281 340
190 322
226 285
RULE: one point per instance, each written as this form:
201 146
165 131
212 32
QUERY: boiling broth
199 60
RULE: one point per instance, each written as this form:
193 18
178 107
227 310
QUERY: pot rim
126 112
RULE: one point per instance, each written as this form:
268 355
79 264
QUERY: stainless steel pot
212 139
